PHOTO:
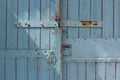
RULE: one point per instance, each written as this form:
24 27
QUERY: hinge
52 24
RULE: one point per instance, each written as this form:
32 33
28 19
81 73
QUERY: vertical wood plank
11 19
2 69
96 16
116 18
100 71
45 17
10 69
117 71
3 24
32 68
110 71
64 71
72 71
108 18
73 15
43 69
84 14
22 69
23 32
64 18
81 71
34 32
90 75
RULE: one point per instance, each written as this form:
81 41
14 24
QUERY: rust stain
95 23
66 46
86 23
56 18
49 60
89 23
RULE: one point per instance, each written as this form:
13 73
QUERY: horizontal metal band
24 53
36 24
83 24
52 24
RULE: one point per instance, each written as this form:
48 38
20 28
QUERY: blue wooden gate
31 44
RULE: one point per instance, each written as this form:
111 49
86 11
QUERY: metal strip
84 24
37 24
24 53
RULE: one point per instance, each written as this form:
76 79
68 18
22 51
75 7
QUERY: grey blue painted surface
94 52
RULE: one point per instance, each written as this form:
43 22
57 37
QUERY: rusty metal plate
94 24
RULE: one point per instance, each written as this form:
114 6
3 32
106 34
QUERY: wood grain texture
71 71
116 18
2 68
23 32
108 18
3 24
44 31
72 15
10 69
11 19
34 35
96 16
84 14
22 69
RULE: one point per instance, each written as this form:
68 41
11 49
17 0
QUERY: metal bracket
66 49
37 24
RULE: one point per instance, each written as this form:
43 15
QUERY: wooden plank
34 32
90 71
72 71
110 71
23 32
10 69
32 68
96 16
117 71
45 17
43 69
3 24
81 72
21 68
11 19
100 71
108 18
72 15
2 69
116 18
64 71
84 14
52 72
34 38
64 17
